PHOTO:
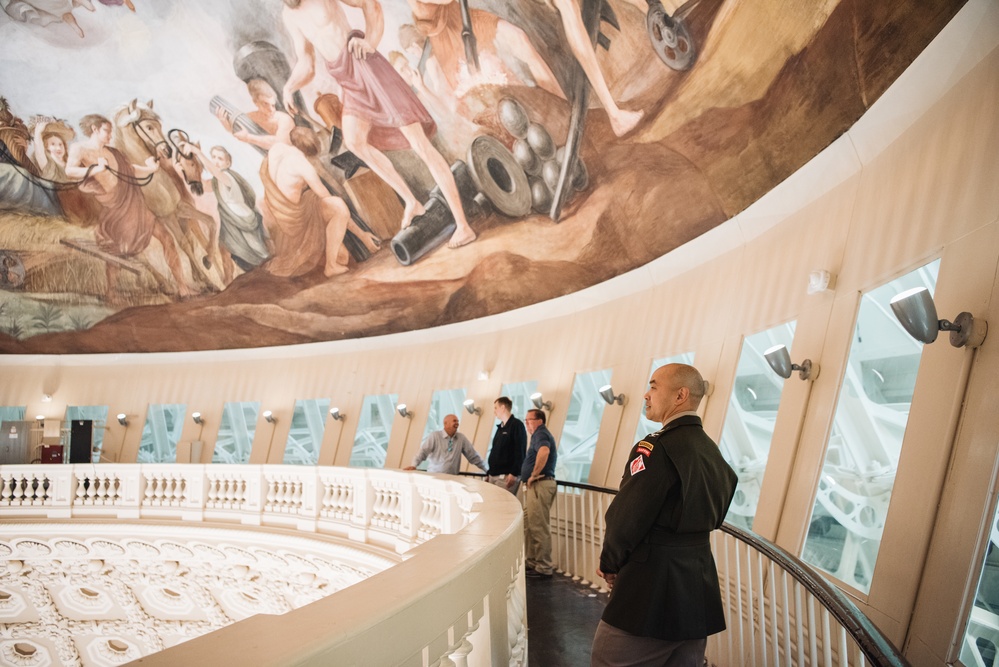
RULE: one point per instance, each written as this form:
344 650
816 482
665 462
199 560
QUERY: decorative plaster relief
108 594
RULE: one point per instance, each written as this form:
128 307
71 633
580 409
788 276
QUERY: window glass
444 402
865 442
646 426
12 414
160 433
9 415
981 639
749 422
306 435
582 426
373 430
519 394
98 414
235 439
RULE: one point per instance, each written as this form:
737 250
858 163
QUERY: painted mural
185 175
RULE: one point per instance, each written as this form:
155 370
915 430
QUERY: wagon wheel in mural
670 37
11 270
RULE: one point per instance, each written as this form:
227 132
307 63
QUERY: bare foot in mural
413 209
370 241
70 20
623 122
462 236
334 269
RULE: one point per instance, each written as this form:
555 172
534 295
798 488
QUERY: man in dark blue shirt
538 474
507 453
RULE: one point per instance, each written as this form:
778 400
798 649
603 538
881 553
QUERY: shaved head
689 377
673 388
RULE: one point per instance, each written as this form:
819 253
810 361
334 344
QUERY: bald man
443 450
665 599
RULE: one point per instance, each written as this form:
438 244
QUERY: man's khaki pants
538 501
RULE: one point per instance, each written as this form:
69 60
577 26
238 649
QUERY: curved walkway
562 616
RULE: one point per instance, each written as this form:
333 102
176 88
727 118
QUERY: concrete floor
562 616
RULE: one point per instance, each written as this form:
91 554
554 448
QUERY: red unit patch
637 466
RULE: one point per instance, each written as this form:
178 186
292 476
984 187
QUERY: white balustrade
443 587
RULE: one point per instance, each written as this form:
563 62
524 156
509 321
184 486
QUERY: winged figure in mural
45 13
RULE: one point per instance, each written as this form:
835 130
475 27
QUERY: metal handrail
869 638
877 649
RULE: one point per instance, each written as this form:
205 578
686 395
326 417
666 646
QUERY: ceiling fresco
182 175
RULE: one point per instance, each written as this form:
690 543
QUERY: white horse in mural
138 133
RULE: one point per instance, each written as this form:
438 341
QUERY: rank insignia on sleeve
644 450
637 466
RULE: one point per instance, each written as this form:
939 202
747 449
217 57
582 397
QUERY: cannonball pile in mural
180 175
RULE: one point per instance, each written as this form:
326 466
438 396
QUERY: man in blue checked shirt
443 450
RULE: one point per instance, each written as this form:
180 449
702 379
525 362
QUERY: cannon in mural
491 176
511 182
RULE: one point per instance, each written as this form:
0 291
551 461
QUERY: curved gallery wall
911 183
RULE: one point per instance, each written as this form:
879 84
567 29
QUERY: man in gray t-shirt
443 450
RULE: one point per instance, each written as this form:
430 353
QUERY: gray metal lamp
780 361
471 408
336 414
607 393
539 403
403 411
916 312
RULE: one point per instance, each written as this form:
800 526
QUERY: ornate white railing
456 598
779 610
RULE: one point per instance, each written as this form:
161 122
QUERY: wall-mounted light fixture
269 417
123 419
820 281
471 407
40 419
917 314
46 398
607 393
538 400
403 412
198 419
336 414
780 361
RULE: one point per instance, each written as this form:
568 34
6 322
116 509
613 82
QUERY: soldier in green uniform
665 599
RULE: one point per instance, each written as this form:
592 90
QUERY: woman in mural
50 152
20 190
241 230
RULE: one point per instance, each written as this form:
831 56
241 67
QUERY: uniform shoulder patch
645 447
637 465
